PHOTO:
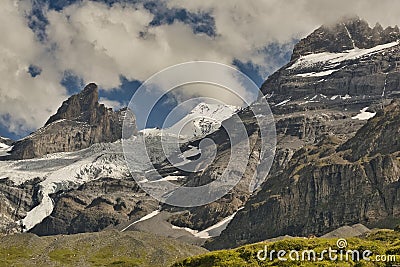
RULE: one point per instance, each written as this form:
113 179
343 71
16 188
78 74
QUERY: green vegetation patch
383 242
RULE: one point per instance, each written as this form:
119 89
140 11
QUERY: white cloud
115 105
25 102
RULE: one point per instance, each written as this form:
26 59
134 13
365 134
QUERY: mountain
204 119
346 34
346 59
336 161
79 123
328 185
82 189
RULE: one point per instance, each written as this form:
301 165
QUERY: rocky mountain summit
346 59
79 123
346 34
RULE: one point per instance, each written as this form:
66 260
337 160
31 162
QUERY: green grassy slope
383 242
107 248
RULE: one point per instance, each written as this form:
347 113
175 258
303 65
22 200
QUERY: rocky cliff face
96 205
15 202
80 122
331 167
327 185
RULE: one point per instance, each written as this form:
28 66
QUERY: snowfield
61 171
4 149
204 119
329 61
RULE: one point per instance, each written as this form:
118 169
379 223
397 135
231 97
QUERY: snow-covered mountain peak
216 111
203 119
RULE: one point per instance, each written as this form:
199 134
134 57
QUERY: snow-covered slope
66 170
61 171
328 62
202 120
4 148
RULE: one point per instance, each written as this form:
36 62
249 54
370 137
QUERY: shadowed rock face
96 205
80 122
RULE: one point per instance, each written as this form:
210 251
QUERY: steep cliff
80 122
326 186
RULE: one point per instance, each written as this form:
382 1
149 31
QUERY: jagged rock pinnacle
80 122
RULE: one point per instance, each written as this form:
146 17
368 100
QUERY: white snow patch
282 103
333 59
212 231
351 38
193 151
4 146
169 178
345 97
148 216
317 74
4 149
364 115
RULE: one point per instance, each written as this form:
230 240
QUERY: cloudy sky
50 49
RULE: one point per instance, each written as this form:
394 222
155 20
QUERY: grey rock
96 205
79 123
323 188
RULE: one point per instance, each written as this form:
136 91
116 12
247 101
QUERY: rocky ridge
79 123
346 59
